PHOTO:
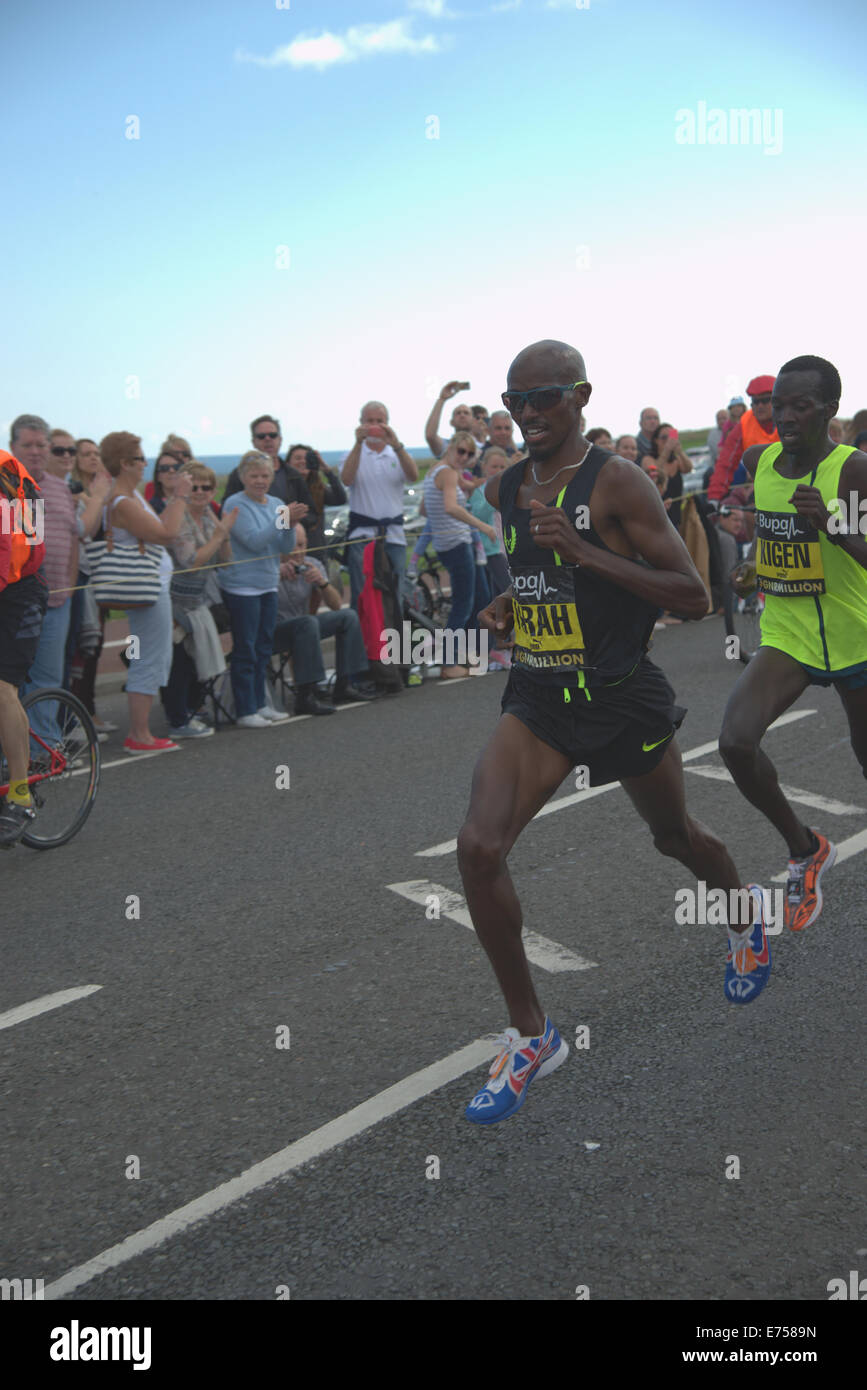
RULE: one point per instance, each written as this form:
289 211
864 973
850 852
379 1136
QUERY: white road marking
449 846
541 950
820 803
45 1004
347 1126
845 850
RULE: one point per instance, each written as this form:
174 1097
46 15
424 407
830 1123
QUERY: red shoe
158 745
803 901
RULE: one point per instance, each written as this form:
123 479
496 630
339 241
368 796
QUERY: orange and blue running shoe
748 964
803 889
521 1061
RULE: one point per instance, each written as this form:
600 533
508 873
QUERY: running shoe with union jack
520 1061
803 889
748 964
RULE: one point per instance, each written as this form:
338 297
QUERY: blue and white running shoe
520 1062
748 964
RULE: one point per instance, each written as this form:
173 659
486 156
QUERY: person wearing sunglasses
31 442
181 450
167 470
450 523
581 691
61 453
287 483
756 426
203 540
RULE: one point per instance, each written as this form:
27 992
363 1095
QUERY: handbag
124 576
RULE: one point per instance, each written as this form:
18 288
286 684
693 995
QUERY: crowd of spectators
254 563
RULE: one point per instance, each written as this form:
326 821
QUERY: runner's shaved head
549 361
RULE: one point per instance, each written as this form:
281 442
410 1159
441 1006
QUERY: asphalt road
265 909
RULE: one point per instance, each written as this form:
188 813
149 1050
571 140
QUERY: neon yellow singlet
815 593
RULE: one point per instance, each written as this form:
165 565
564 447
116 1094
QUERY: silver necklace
541 482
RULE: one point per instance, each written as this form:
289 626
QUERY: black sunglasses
267 434
540 398
169 467
202 487
60 451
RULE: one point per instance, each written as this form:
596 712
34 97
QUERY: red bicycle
64 769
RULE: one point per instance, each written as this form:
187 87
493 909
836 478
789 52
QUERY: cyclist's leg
14 731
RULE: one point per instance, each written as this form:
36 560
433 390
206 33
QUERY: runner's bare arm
751 458
631 505
853 511
492 491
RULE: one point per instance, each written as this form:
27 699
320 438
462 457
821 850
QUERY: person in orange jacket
23 598
756 426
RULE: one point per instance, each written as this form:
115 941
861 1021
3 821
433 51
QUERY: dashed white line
541 950
804 798
44 1004
449 846
353 1122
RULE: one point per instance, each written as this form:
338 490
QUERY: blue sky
557 201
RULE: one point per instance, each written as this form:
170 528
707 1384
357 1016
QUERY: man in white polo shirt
375 473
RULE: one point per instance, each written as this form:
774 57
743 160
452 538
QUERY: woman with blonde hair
263 529
202 541
451 524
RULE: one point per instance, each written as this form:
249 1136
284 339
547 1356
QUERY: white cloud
361 41
505 5
437 9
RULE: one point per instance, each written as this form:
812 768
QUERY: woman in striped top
450 522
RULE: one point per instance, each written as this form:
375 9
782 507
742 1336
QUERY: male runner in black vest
581 691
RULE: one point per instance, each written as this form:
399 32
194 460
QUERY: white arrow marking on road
541 950
353 1122
854 845
449 846
820 803
46 1003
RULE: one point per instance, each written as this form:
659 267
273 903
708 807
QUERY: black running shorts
22 608
621 731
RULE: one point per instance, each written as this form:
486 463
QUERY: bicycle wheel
743 621
64 768
433 602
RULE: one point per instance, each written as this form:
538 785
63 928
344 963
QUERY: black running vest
572 628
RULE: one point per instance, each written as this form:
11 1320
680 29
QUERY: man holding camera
301 628
375 472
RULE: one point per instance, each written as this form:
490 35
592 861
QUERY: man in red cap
756 426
